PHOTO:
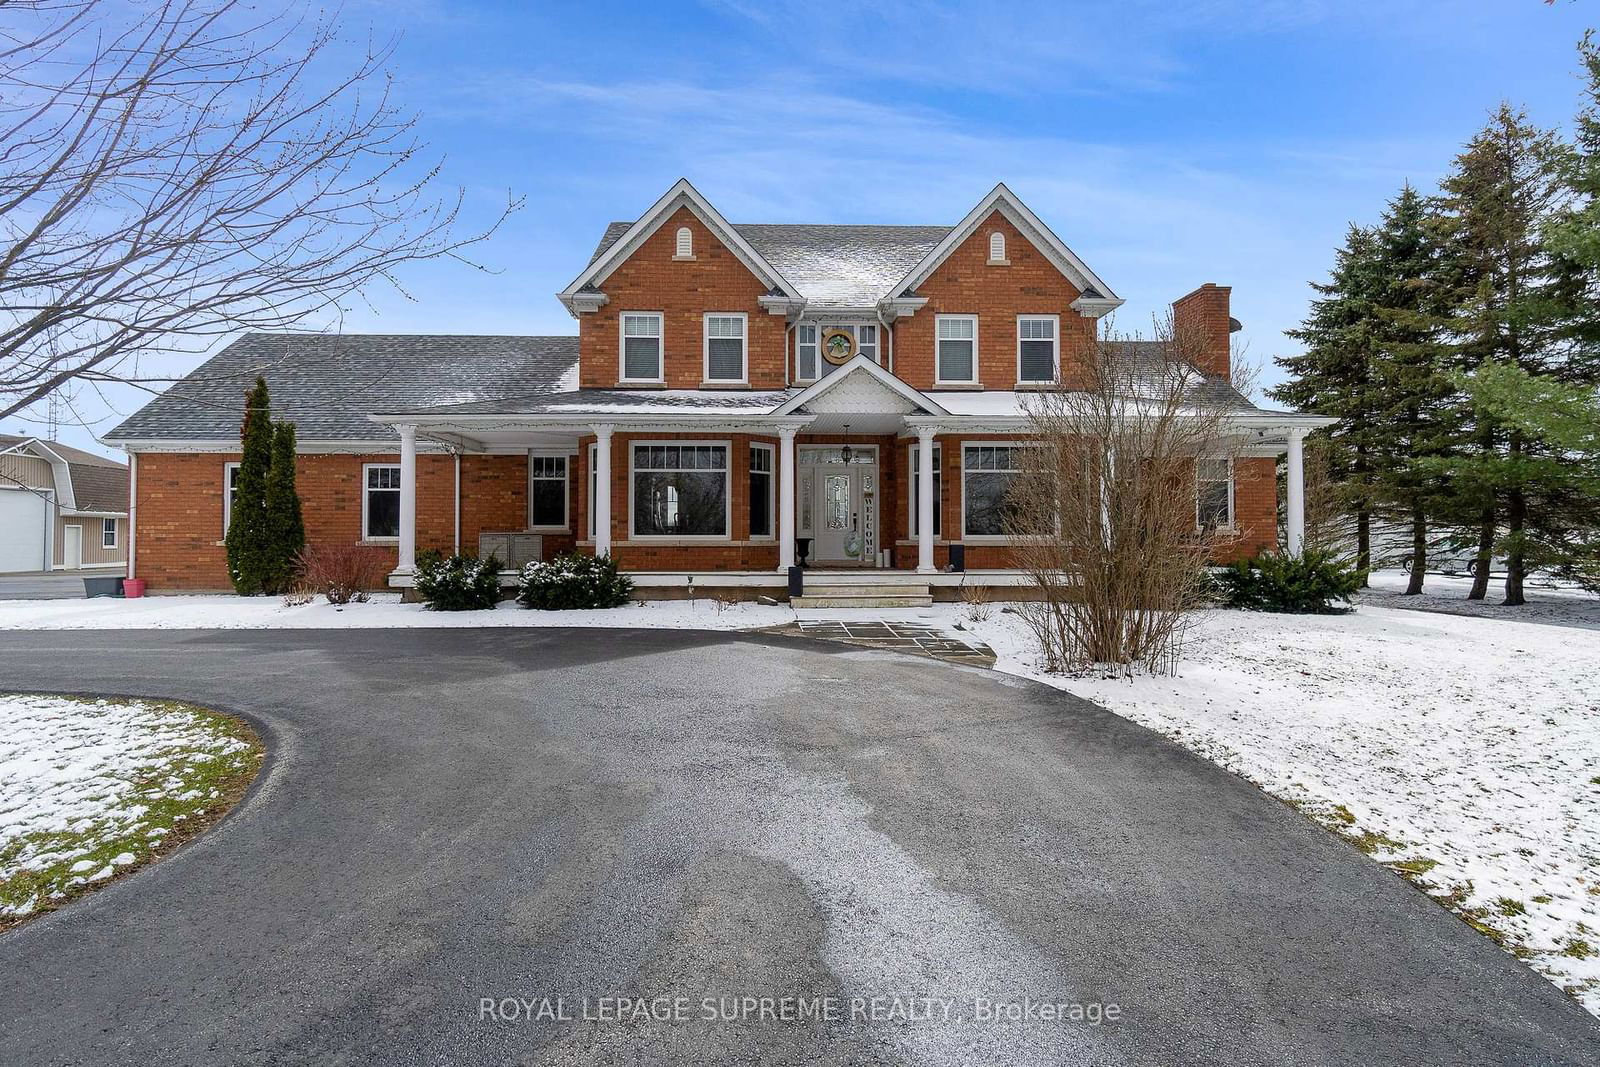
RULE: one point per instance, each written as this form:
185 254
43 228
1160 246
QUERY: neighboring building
61 508
734 393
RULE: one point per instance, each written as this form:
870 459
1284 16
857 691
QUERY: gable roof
859 364
682 194
1032 227
84 481
328 384
842 266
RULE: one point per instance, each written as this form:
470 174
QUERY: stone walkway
913 638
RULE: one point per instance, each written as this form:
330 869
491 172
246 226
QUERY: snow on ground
1464 752
88 787
1549 602
227 612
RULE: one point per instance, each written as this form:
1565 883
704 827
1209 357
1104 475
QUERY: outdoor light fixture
845 453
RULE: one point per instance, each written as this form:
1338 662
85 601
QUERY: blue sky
1168 143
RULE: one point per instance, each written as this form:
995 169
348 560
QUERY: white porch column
786 502
602 490
924 500
408 500
1296 504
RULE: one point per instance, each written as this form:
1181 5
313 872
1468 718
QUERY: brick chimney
1201 326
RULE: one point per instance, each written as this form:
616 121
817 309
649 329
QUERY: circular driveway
460 833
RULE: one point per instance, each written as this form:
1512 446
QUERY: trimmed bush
574 581
457 583
1308 584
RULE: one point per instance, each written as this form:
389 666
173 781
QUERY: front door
843 507
72 547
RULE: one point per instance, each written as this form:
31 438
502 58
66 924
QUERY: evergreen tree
249 535
1334 376
1410 381
1503 190
286 527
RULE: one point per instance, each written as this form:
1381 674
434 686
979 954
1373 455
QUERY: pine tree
286 527
249 534
1410 377
1334 376
1503 190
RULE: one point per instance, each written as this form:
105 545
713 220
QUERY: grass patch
1509 906
1417 866
1578 949
158 807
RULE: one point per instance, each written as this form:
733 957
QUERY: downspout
458 503
888 336
133 507
788 332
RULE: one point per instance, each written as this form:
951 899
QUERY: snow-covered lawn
93 788
1463 752
224 612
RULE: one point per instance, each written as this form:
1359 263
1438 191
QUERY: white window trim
772 492
984 539
366 494
727 494
104 528
705 348
816 345
1232 525
566 495
912 481
938 369
1055 352
227 496
661 347
683 244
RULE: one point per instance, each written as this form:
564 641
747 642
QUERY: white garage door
22 518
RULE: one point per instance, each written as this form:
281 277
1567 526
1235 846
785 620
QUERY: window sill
547 529
912 542
710 384
999 263
1035 387
683 259
630 383
379 541
957 387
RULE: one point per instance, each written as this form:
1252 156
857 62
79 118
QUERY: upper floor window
805 352
725 348
1036 348
685 246
1214 494
547 492
957 357
380 503
867 342
997 247
641 346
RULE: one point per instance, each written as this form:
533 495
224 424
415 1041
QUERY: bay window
680 490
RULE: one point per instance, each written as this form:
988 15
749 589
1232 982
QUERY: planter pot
132 587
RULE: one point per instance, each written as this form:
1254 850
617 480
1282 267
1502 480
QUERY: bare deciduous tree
1107 516
176 170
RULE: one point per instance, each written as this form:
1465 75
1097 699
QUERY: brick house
738 398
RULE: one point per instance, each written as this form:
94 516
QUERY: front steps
861 593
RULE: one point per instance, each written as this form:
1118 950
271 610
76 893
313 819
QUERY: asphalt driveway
455 818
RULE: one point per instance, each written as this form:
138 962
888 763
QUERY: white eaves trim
682 194
1005 201
860 364
65 497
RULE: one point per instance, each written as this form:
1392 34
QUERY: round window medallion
838 346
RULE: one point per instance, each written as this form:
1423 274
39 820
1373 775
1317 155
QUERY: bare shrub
1105 516
341 572
975 601
298 595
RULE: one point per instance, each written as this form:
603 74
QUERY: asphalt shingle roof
833 266
328 384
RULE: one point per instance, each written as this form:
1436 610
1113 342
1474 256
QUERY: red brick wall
180 508
683 291
966 284
1201 327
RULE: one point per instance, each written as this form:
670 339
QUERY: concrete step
892 598
865 589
